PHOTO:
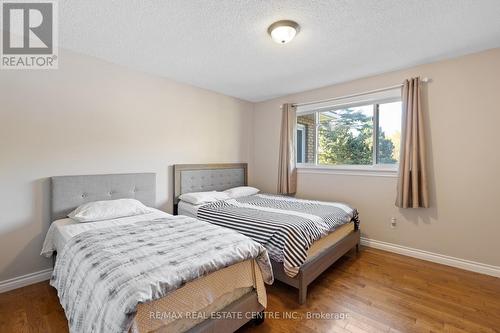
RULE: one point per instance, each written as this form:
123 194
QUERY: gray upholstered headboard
69 192
207 177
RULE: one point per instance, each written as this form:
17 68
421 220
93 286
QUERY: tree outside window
346 136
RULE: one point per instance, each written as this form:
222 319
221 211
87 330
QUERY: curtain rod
424 80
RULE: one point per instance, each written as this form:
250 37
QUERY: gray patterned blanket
286 226
102 275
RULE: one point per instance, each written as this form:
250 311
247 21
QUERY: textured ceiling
222 45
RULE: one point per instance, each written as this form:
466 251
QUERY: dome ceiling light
283 31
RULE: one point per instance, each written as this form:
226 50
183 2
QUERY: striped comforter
286 226
101 275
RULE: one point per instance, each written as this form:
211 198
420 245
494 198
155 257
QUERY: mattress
207 294
187 209
329 240
190 305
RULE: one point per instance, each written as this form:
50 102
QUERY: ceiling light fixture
283 31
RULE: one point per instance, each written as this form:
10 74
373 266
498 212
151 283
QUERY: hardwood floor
377 290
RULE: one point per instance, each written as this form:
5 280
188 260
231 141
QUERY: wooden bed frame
68 192
311 269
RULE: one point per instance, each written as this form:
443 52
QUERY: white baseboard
434 257
25 280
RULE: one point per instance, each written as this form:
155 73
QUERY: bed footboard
313 268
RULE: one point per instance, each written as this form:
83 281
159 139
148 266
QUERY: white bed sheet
61 231
187 209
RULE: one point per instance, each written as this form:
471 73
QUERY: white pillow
241 191
198 198
108 209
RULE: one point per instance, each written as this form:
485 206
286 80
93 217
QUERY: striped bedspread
102 275
286 226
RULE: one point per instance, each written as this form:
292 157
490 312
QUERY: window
301 143
351 134
305 140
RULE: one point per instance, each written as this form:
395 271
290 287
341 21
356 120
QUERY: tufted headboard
69 192
207 177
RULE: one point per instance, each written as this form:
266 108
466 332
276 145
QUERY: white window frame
384 170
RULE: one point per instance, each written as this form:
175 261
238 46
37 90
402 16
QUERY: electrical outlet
393 222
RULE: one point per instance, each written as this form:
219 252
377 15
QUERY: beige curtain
287 173
412 189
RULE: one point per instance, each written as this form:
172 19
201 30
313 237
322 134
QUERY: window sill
349 170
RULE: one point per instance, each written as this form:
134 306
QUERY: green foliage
346 137
385 149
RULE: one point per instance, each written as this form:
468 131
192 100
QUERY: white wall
92 117
462 115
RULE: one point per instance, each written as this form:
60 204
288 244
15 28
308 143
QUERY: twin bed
155 272
303 237
152 272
